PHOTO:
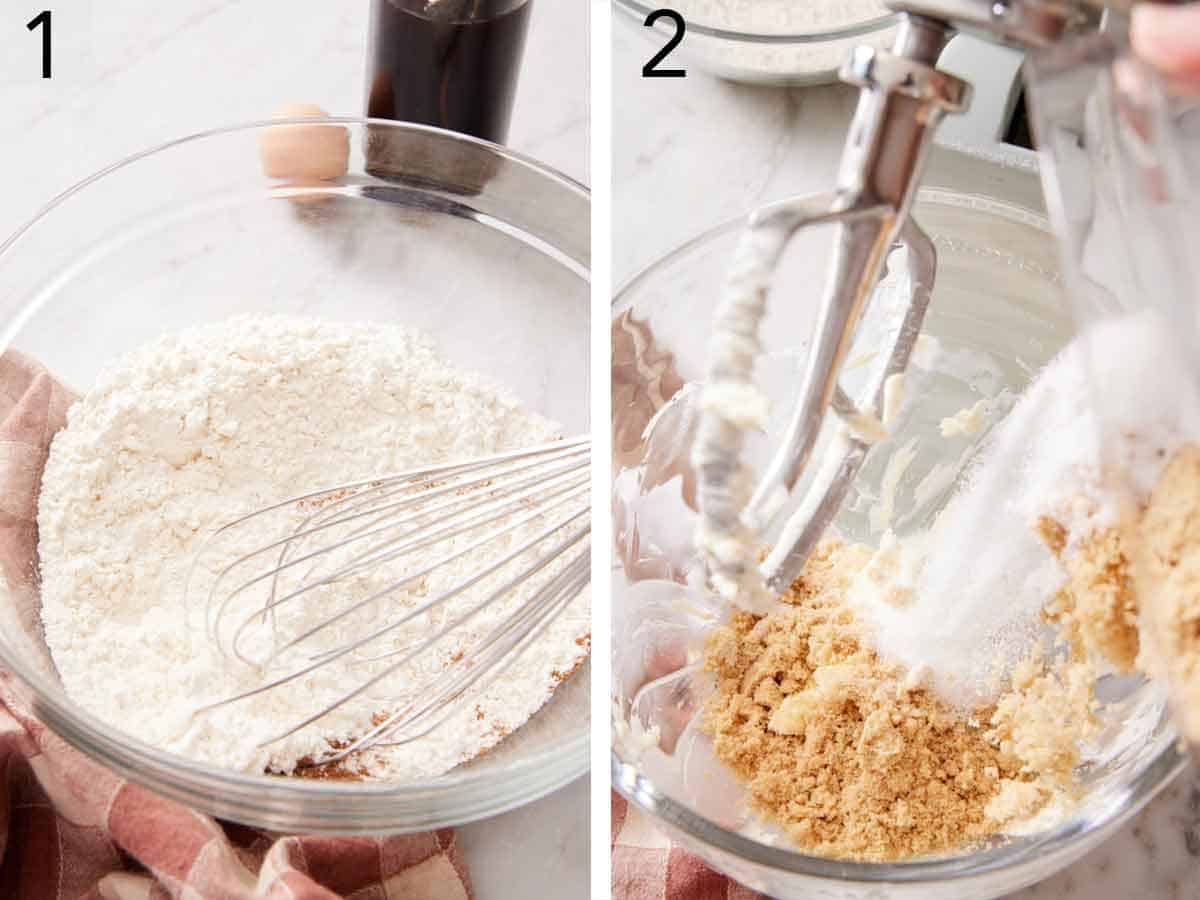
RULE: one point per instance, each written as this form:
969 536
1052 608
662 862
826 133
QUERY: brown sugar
1133 591
853 757
1167 576
1038 724
1097 608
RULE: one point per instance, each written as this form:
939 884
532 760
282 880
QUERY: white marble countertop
130 74
690 153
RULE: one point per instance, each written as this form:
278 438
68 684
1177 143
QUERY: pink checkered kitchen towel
647 866
71 829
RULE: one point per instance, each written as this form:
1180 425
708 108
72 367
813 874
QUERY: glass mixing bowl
996 317
778 42
483 249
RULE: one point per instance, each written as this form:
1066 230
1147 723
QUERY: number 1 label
42 20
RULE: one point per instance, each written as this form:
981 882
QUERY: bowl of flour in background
770 42
462 253
996 318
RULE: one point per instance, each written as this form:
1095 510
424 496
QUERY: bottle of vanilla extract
449 63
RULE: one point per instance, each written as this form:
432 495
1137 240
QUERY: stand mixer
903 98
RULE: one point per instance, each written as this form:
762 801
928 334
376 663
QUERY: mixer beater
903 97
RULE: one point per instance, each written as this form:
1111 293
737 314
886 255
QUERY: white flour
779 18
185 433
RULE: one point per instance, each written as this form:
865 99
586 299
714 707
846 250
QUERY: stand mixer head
903 97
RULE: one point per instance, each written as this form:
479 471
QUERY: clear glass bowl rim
641 791
638 10
260 799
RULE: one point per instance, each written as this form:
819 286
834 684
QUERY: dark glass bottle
449 63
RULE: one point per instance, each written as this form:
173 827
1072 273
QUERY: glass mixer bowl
481 248
996 317
777 42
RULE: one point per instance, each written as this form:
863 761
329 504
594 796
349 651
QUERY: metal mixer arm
825 494
1024 24
903 98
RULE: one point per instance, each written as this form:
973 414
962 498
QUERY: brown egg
304 155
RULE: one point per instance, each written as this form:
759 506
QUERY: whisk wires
420 585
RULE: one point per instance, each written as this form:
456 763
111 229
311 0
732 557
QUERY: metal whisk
297 586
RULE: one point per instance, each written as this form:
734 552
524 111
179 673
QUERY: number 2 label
650 69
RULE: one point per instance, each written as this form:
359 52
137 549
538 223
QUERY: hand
1168 38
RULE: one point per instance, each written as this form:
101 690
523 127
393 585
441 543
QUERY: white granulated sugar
1088 438
189 431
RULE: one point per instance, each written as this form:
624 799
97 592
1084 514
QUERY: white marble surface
146 72
690 153
130 74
